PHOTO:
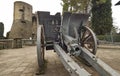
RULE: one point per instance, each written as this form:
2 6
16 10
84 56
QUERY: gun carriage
69 35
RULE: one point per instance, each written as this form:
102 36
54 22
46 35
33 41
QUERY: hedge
116 38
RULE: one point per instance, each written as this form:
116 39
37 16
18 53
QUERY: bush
101 37
116 38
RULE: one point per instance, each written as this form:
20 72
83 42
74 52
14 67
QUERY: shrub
116 38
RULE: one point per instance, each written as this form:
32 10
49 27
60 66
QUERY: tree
75 5
101 16
1 30
101 13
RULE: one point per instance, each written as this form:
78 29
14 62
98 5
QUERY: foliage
75 5
1 29
116 38
101 13
101 16
101 37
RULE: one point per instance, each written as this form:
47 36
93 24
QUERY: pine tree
101 16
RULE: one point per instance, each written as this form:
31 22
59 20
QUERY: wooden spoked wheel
40 48
88 39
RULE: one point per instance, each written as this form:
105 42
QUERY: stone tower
22 21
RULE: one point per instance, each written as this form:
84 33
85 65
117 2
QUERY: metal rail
71 66
75 70
102 68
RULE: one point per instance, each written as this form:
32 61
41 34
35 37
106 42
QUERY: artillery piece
69 35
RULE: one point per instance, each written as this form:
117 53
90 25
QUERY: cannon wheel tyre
40 48
88 39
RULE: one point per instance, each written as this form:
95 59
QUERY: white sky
6 10
116 13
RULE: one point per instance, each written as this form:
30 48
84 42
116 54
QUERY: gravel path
23 61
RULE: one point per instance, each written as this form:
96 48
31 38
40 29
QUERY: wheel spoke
83 34
89 49
88 39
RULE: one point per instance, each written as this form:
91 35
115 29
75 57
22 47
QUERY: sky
7 6
116 14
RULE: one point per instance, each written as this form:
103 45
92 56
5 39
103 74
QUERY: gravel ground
111 55
23 61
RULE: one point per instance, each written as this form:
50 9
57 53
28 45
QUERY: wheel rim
40 47
88 39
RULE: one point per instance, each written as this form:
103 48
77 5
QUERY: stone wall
21 30
22 22
22 11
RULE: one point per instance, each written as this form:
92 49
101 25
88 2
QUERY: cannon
69 35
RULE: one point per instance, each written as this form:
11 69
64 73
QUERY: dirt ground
23 61
111 55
